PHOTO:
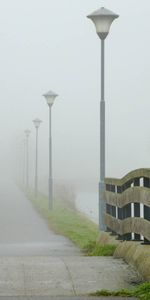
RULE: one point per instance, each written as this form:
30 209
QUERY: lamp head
37 122
50 97
102 19
27 132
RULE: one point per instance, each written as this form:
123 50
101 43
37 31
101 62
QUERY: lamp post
102 19
50 98
27 133
23 161
36 123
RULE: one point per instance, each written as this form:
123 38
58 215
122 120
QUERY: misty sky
51 45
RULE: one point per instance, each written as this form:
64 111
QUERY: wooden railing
128 205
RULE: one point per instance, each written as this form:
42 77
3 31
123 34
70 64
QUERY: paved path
36 262
66 298
23 231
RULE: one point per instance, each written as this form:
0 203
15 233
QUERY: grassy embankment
72 224
141 292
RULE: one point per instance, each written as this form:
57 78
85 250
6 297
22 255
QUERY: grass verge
72 224
141 292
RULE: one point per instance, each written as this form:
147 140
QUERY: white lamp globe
27 132
102 19
50 97
37 122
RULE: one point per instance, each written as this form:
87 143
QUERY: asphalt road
36 262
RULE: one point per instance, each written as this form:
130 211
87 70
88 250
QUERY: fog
51 45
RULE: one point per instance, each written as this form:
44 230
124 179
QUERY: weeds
141 292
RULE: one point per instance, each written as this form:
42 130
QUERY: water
88 204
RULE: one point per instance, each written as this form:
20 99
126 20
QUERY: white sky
50 44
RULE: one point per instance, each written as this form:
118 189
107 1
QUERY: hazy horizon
51 45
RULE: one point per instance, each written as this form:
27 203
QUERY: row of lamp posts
102 19
50 98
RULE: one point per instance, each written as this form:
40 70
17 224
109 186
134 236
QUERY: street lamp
23 161
102 19
50 98
36 123
27 133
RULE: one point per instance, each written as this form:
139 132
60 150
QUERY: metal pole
102 205
50 163
36 164
27 162
23 170
102 114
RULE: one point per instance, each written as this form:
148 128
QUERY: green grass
95 249
72 224
141 292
